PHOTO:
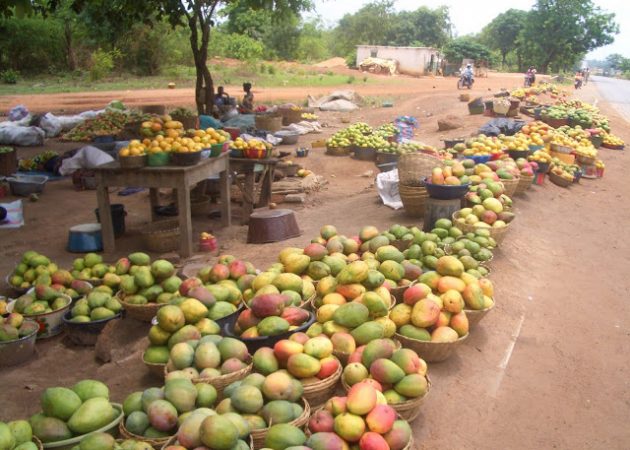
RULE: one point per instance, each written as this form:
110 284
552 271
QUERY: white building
411 60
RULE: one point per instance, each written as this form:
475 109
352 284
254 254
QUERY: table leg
153 200
226 207
104 210
248 196
266 188
185 222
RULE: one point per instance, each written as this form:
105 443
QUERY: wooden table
245 166
180 178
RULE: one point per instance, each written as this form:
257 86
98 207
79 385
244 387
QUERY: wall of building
411 60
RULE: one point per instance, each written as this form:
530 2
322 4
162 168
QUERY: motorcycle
529 80
465 81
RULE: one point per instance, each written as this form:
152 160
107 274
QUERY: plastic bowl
185 159
445 191
111 428
516 154
85 333
20 350
479 159
50 324
254 344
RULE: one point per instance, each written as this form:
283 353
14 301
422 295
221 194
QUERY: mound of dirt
332 62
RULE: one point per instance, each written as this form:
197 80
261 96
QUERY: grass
261 74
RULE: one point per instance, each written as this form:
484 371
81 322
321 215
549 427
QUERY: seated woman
222 98
247 105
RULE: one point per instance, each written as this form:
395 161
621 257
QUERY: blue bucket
85 238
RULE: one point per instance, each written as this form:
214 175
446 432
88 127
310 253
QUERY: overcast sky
469 16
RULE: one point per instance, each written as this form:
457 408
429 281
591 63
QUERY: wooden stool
435 209
272 225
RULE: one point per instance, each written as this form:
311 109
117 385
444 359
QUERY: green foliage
9 76
503 32
558 33
422 27
465 47
236 46
103 63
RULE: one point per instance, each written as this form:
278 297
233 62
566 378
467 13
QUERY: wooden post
226 207
105 214
435 209
185 223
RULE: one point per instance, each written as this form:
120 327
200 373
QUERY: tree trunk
503 58
71 58
204 87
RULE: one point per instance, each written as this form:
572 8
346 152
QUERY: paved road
616 92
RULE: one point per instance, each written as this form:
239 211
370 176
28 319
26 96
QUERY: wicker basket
156 443
143 313
498 234
162 236
38 443
475 315
524 183
413 199
431 351
155 368
559 181
268 122
510 186
318 392
337 151
222 381
413 168
258 436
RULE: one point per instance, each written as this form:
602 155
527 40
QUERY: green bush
351 59
235 46
9 76
102 63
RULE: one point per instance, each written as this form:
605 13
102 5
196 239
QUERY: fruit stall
329 347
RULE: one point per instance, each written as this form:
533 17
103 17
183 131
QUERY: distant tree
558 33
369 25
615 61
503 32
465 47
421 27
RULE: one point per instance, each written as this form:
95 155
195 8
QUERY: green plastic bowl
217 149
158 159
111 428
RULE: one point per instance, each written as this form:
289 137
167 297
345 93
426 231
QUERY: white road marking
506 358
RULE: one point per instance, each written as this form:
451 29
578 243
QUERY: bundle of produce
107 124
387 131
37 163
18 435
612 141
361 419
153 415
163 126
42 300
244 147
480 145
489 214
453 174
73 412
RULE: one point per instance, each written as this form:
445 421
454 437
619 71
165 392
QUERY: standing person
585 74
247 105
530 76
578 80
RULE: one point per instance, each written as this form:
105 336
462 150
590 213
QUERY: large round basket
258 436
173 441
161 236
413 168
498 234
38 443
431 351
510 186
156 443
413 199
475 315
337 151
222 381
156 369
144 313
318 392
524 183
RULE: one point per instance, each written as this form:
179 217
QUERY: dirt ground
548 368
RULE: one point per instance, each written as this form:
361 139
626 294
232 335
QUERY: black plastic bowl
230 318
516 154
254 344
86 333
445 191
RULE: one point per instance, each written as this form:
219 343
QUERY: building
411 60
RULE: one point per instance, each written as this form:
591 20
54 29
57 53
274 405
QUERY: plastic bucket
118 218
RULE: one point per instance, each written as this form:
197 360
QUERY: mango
60 402
280 386
399 436
282 436
354 373
343 343
349 427
137 423
351 291
376 349
181 393
232 348
296 264
412 385
386 371
150 395
288 282
265 361
220 310
268 305
132 403
21 431
295 316
218 433
449 282
326 441
278 411
49 429
7 440
459 323
376 304
184 334
424 313
367 332
93 414
162 415
407 360
272 326
171 318
189 432
361 399
336 264
302 365
139 259
444 334
452 301
318 347
414 332
247 399
372 440
315 251
255 422
473 296
240 423
351 315
355 272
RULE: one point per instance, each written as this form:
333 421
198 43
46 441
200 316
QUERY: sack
18 112
87 157
50 124
21 136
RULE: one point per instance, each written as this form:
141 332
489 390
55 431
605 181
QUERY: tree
558 33
465 47
422 27
503 32
198 15
615 61
369 25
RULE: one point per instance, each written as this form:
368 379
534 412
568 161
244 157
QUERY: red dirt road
548 368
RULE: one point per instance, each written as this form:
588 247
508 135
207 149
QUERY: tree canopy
503 32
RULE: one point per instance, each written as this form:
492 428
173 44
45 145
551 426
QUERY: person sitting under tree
222 98
247 105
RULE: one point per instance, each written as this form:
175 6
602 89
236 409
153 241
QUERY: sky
470 16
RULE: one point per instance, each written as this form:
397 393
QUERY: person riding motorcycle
468 74
530 76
